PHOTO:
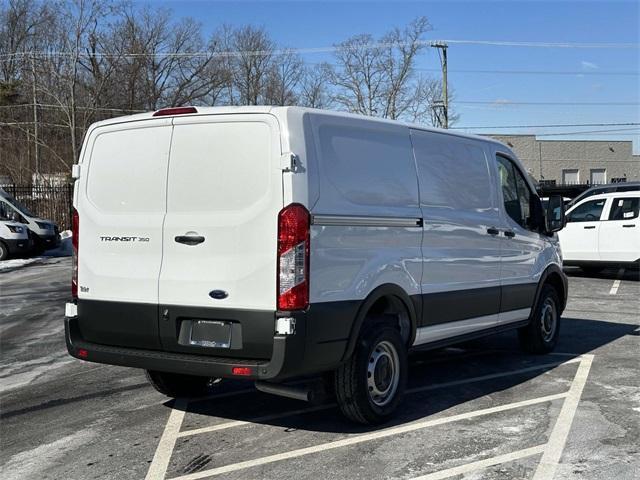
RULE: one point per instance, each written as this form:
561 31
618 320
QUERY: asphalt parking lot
482 410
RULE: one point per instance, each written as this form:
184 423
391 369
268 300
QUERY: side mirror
554 216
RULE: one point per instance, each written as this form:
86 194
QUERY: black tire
541 335
176 385
4 251
374 353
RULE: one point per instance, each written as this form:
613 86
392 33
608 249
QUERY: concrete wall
545 159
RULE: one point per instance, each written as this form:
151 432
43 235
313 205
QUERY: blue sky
301 24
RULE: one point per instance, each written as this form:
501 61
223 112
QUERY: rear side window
367 166
453 173
624 208
128 170
587 212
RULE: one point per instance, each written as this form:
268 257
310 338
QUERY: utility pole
442 53
35 117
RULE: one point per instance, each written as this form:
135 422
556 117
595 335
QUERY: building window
598 176
570 176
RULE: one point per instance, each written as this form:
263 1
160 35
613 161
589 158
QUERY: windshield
21 208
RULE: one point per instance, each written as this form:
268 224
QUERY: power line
506 103
554 125
583 132
314 50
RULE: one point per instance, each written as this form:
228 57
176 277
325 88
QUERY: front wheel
369 386
4 251
541 335
176 385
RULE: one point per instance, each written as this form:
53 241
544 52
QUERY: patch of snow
16 263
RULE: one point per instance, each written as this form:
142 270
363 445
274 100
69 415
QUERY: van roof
282 111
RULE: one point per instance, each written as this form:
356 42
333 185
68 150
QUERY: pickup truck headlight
15 229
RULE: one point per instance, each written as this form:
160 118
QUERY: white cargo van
14 238
44 233
267 243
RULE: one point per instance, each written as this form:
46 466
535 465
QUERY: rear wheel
177 385
4 251
541 335
369 386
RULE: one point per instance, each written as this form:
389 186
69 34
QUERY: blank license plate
207 333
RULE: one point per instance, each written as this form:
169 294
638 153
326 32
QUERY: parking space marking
160 462
367 437
480 464
276 416
558 438
616 283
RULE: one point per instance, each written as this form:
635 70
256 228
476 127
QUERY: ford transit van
44 234
267 243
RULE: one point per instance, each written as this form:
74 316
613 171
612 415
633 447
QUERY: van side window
587 212
381 161
624 208
515 193
453 172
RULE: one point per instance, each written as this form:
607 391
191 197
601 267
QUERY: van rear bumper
318 345
288 352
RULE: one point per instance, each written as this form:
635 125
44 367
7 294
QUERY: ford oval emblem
218 294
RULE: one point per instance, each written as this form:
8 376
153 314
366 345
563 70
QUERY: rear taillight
293 258
75 241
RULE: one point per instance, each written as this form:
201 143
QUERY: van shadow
489 356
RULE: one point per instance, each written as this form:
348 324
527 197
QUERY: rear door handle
509 233
493 231
189 239
589 227
629 226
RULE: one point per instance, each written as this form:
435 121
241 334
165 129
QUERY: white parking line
290 413
480 464
558 438
160 462
367 437
616 283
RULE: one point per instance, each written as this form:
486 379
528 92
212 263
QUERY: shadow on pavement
491 355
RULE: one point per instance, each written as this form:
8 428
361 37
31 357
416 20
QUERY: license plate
207 333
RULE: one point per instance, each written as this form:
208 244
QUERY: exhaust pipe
304 392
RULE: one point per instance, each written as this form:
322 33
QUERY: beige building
575 161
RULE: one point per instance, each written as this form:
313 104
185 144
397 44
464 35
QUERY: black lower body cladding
149 336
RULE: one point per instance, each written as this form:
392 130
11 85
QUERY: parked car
603 231
45 234
266 243
610 188
14 238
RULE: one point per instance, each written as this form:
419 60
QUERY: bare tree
251 64
377 77
314 87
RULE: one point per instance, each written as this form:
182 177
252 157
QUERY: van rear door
224 193
121 199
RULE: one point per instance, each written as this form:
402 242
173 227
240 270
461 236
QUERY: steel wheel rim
383 373
548 319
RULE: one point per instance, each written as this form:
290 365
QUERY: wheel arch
554 276
388 293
